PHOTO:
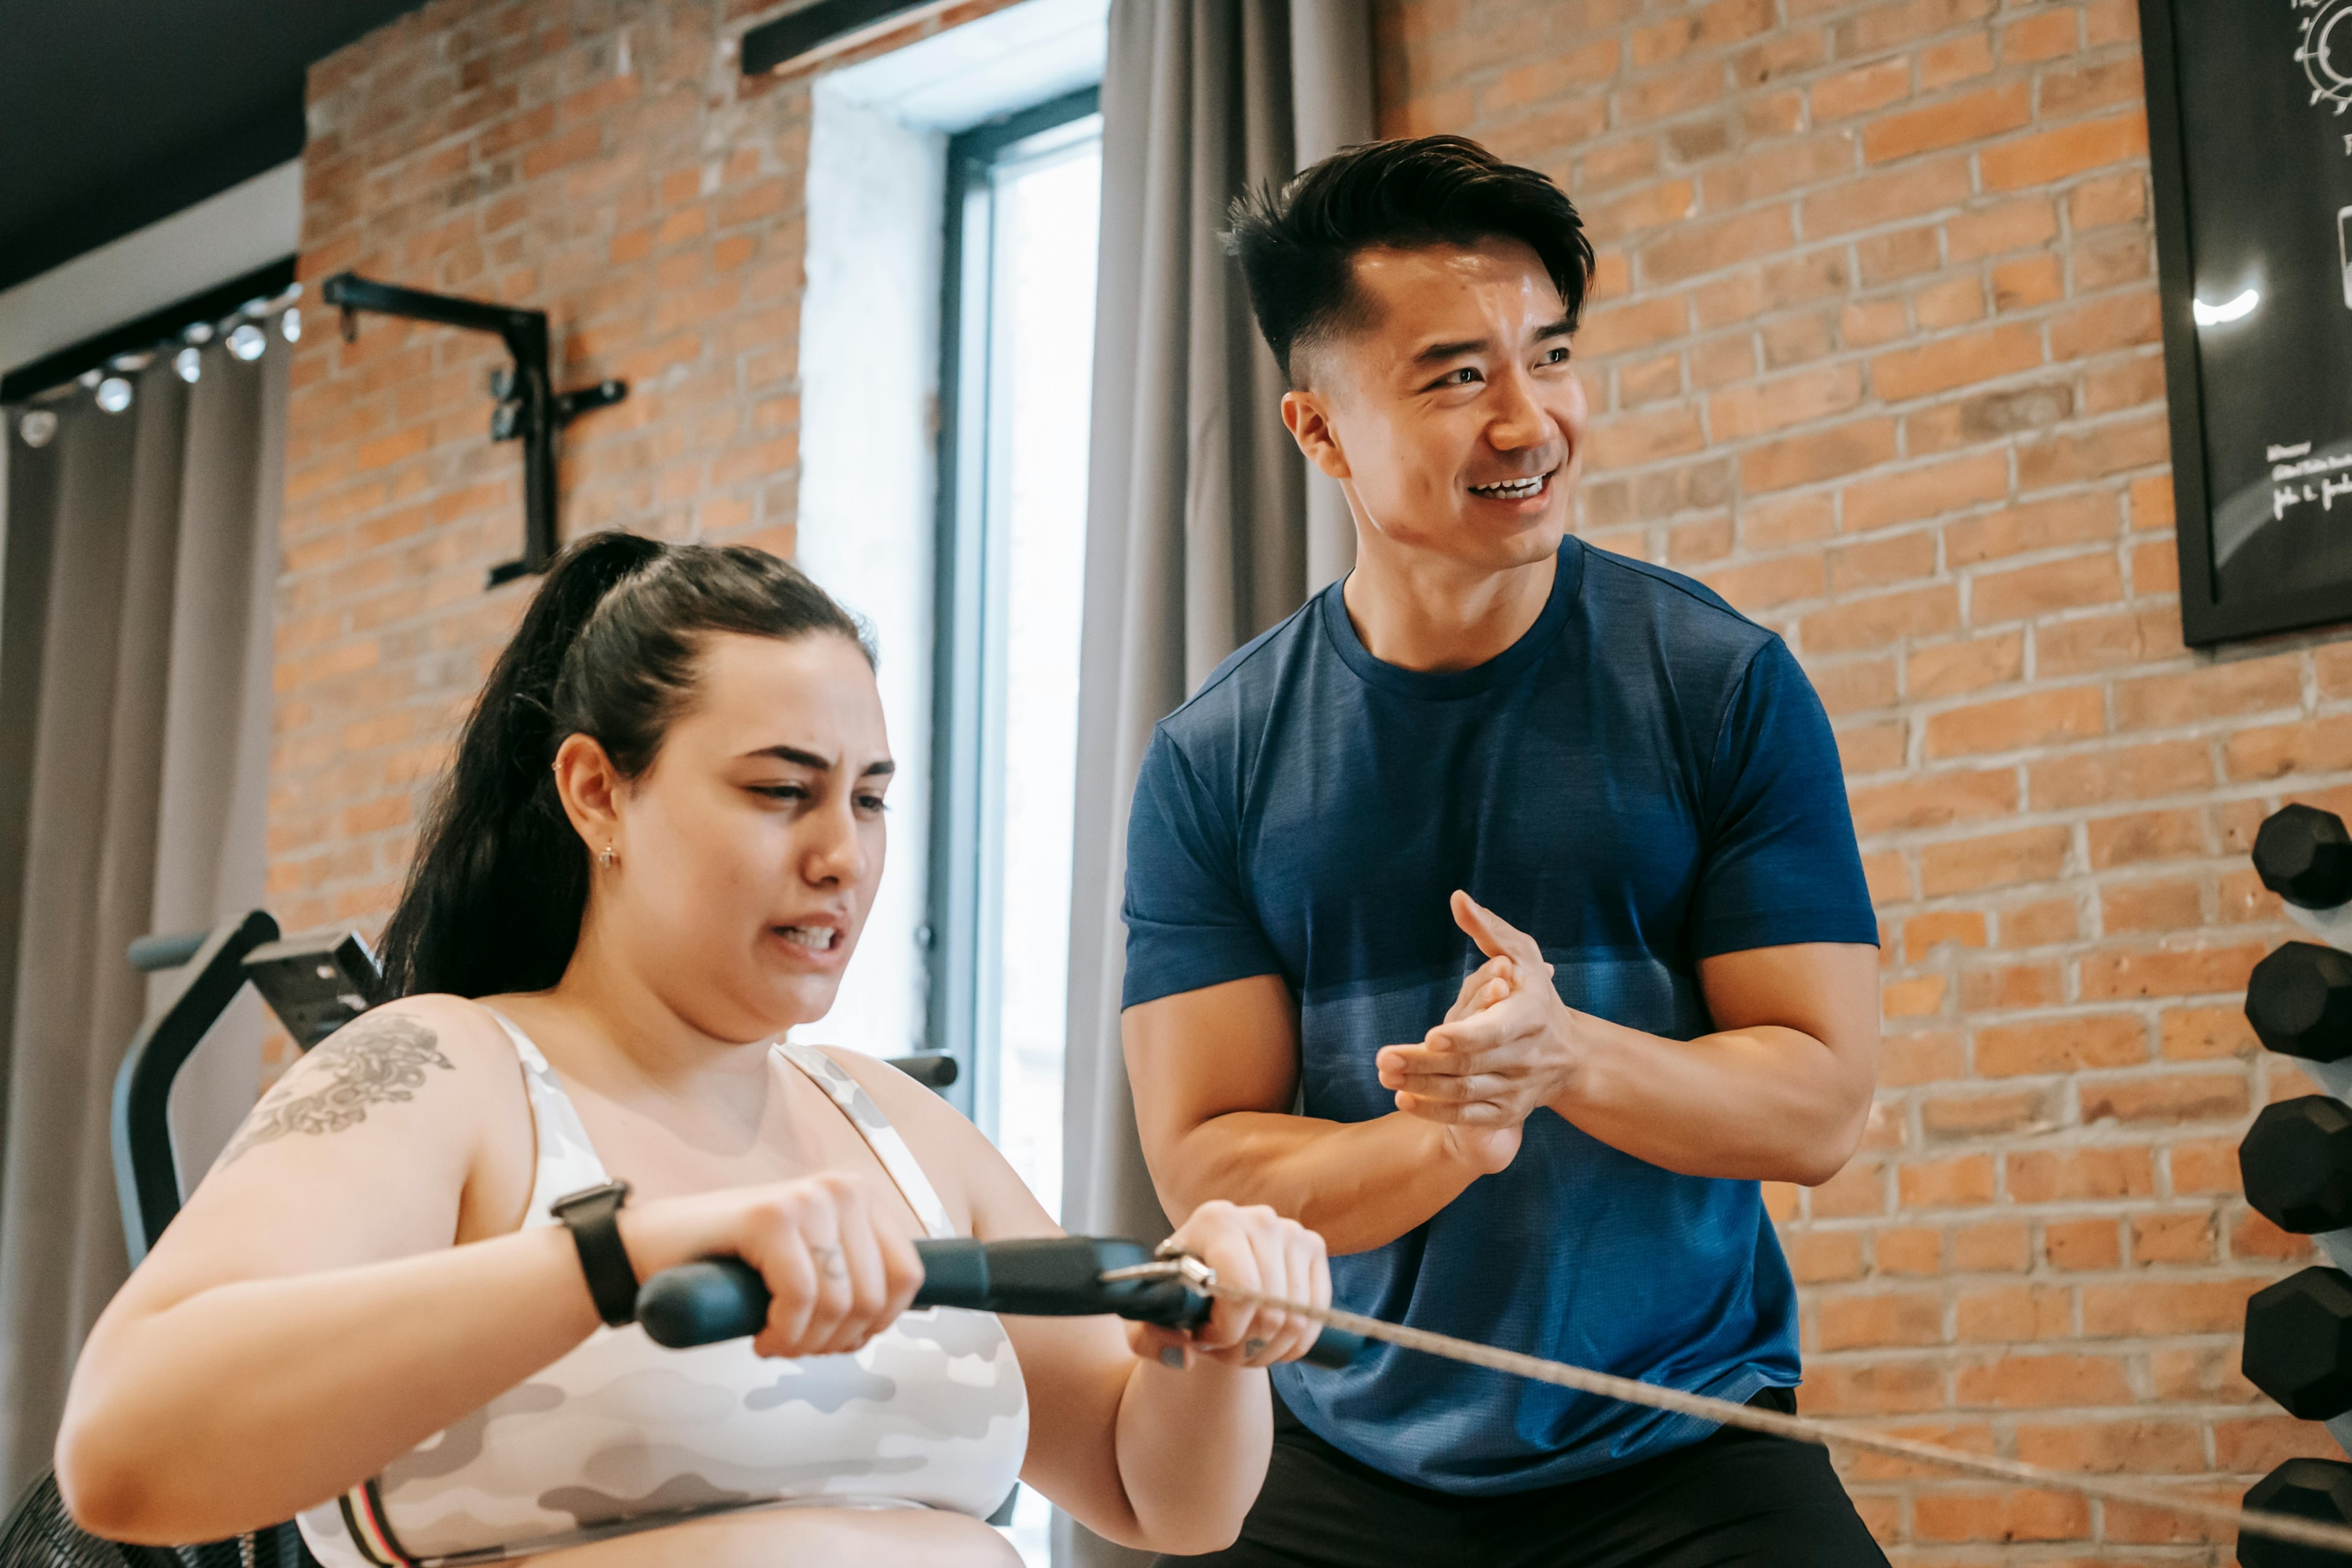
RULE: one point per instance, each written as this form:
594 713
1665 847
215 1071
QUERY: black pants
1735 1499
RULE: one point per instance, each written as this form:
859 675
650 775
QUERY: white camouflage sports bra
620 1435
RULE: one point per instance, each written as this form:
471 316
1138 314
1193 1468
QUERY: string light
244 332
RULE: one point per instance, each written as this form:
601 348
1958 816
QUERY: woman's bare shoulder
401 1053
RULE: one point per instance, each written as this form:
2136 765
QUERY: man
1498 915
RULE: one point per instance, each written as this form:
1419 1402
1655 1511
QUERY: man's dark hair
1298 246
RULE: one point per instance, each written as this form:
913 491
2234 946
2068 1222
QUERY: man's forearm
1360 1184
1764 1103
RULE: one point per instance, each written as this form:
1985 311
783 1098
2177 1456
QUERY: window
1017 339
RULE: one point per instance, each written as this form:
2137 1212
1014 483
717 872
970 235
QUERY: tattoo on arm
379 1061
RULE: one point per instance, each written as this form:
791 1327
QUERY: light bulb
246 341
291 324
189 365
115 394
37 426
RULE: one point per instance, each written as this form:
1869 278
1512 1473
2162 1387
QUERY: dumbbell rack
2297 1164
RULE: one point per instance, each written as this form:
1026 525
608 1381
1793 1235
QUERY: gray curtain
1203 528
134 734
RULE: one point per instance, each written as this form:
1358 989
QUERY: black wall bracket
529 409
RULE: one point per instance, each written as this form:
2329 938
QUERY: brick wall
1875 353
602 160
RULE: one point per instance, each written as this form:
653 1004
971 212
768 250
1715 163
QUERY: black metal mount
529 409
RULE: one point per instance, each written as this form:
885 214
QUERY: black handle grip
1049 1276
933 1069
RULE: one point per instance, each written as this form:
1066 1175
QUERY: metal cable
1802 1429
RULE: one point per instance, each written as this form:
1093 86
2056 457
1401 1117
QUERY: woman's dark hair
608 650
1297 246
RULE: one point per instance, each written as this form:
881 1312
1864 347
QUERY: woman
661 834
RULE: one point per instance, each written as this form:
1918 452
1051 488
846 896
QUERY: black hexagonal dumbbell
2318 1489
2299 1343
2296 1163
2304 855
2299 1001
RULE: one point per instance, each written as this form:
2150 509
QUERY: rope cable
1802 1429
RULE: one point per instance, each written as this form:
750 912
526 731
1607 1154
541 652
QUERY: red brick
2116 322
1880 563
2006 859
1866 202
2156 905
2250 686
2082 1245
1701 247
2039 525
1945 1118
2092 643
1955 60
2041 36
1949 669
2172 1099
2055 155
1961 360
2145 1309
2062 1046
1910 494
1819 1256
2187 1237
2012 724
1969 118
2077 582
1786 400
1992 1246
1965 1181
2014 1313
2134 772
1816 455
1910 1250
2043 1383
2203 1034
2026 282
1885 1317
1860 90
2012 224
2045 1175
2323 745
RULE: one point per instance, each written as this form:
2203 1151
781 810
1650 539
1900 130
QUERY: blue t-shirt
1644 779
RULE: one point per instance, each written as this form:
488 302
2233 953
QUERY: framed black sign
2250 132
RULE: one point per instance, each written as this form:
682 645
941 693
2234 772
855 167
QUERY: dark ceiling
114 113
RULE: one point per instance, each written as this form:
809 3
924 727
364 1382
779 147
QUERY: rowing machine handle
1039 1277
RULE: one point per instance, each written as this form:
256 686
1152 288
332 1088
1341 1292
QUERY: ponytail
608 648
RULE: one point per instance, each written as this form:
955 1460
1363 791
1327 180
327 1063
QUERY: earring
604 857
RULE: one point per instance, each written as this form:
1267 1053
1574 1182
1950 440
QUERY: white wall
870 410
870 375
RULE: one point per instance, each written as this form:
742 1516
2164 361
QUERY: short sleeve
1781 865
1188 923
